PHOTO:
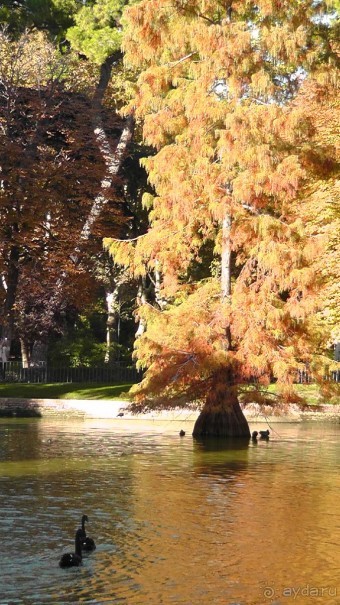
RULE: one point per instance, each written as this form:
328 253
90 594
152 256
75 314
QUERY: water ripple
174 522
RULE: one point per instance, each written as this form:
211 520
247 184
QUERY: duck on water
73 559
262 434
88 544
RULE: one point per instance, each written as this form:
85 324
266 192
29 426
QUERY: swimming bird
181 433
73 559
254 435
264 434
88 544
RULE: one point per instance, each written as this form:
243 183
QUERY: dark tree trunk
221 415
229 422
12 278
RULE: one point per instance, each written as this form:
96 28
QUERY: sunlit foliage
220 97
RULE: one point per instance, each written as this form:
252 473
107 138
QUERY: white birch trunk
111 301
113 162
141 300
113 159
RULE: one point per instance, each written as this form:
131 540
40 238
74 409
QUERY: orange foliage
219 98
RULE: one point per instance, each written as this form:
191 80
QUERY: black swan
181 433
264 434
87 544
254 435
73 559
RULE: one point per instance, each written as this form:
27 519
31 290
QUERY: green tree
53 16
97 32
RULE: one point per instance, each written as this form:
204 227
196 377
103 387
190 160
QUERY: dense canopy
226 96
231 260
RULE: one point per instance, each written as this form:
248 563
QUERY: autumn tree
217 97
321 104
94 70
57 193
97 36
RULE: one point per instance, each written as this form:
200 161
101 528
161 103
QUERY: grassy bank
107 391
311 393
65 391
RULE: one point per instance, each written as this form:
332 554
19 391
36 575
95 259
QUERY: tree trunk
111 298
141 300
221 415
25 353
159 299
10 284
113 159
229 422
226 269
226 258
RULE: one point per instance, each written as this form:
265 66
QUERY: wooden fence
13 371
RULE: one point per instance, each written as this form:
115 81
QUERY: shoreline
117 408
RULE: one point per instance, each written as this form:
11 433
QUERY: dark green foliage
53 16
83 343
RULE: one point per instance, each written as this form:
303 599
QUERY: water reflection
175 520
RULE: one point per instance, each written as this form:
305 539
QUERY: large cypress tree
218 96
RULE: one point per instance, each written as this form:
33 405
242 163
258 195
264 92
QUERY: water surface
175 521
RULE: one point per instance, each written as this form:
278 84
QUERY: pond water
176 521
